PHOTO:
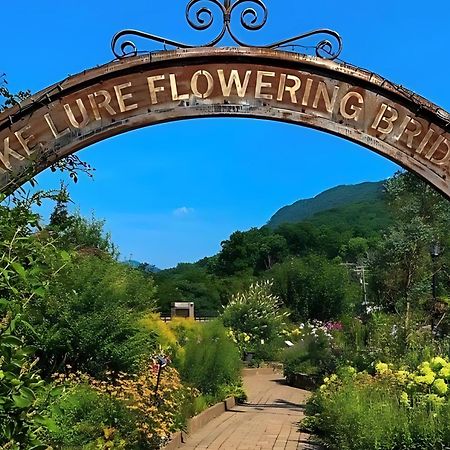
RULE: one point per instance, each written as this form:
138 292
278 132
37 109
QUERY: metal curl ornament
200 16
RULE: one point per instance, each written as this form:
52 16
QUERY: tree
59 218
255 250
401 269
75 232
7 99
355 251
315 288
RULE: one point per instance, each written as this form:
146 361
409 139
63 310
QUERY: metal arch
200 16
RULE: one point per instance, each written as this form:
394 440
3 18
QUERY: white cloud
183 211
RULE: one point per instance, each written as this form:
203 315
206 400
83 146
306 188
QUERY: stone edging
198 422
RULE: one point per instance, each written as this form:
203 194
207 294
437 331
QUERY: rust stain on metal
268 84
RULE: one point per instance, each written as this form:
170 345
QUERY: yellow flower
438 363
381 368
404 399
440 386
425 368
402 376
435 399
445 372
425 379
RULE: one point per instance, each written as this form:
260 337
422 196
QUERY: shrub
90 317
314 287
124 410
185 330
27 261
311 356
212 360
255 317
391 410
166 338
316 350
84 418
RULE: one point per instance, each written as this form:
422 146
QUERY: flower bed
393 409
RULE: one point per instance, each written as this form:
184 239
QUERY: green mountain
365 199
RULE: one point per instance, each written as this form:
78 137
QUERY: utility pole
361 272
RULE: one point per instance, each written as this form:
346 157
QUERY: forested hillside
339 226
337 197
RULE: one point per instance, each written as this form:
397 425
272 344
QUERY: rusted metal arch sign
224 82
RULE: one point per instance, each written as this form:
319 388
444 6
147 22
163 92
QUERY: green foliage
366 218
82 417
26 264
7 99
256 249
212 361
401 268
255 317
355 251
123 411
315 288
20 385
311 356
90 317
74 232
339 196
393 410
314 353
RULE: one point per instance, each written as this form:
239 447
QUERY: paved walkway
268 421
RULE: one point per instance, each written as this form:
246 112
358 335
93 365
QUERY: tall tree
401 269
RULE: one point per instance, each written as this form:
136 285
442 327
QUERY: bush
124 411
166 338
255 318
311 356
185 330
316 350
83 418
212 361
90 317
392 410
315 288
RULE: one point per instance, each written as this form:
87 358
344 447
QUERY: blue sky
198 181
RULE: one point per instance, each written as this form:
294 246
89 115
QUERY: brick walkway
268 421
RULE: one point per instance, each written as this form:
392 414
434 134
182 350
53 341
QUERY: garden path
269 420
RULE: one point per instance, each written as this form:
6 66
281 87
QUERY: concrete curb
198 422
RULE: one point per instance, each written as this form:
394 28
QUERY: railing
197 319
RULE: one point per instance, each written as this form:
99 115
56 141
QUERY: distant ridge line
331 198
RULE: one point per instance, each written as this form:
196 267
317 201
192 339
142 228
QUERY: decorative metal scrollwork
200 16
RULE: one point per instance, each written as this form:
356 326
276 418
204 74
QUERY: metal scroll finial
254 14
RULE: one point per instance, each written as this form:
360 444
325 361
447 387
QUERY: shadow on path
270 419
